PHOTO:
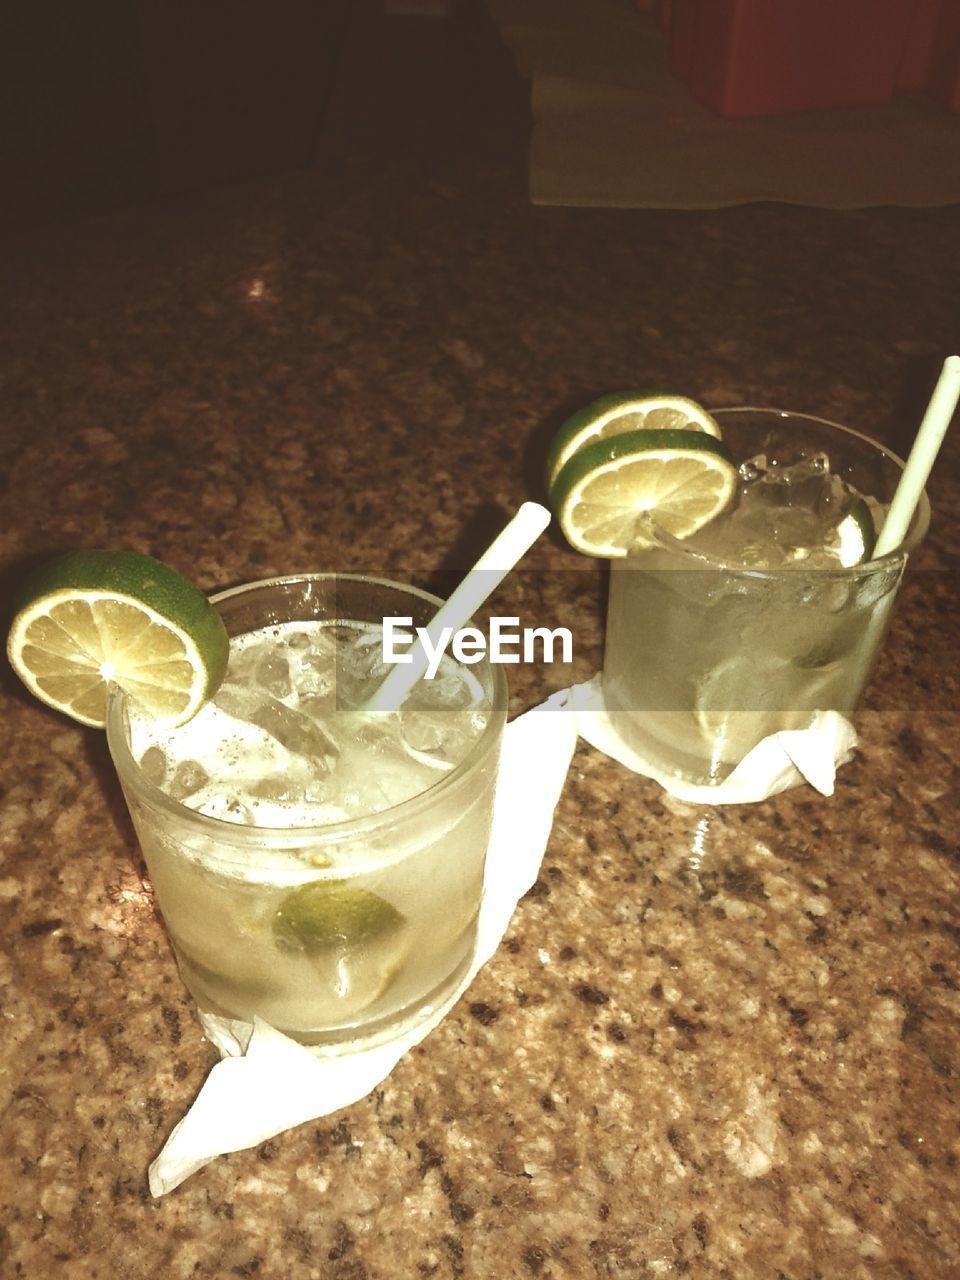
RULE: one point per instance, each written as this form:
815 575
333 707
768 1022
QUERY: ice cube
360 668
314 684
272 674
319 788
278 787
794 484
442 717
375 733
238 700
422 730
319 706
786 516
342 634
319 651
313 668
833 499
242 664
374 770
357 787
154 766
189 777
753 469
440 739
449 690
291 728
215 803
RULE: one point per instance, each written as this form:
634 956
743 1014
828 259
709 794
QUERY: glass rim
331 832
897 557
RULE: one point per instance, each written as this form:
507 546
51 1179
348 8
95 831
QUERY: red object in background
760 57
943 77
918 45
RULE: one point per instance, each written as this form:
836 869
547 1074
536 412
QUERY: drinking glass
408 878
703 658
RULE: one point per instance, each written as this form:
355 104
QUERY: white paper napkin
267 1083
243 1102
782 760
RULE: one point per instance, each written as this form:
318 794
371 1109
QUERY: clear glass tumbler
703 658
407 880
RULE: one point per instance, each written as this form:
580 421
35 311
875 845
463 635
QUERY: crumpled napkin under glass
266 1082
782 760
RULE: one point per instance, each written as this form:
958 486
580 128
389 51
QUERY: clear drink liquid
327 934
764 624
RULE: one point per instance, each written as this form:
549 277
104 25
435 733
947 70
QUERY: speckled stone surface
715 1042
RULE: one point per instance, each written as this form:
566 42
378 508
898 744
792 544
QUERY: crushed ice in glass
282 743
784 515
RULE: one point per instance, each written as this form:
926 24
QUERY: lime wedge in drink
682 479
622 411
92 618
854 538
329 914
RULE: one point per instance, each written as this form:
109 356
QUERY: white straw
482 580
925 448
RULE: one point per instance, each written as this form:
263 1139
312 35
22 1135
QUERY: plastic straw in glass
933 428
500 557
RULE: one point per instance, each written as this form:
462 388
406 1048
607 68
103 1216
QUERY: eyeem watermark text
507 642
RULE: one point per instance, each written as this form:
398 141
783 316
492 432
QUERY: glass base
667 756
344 1040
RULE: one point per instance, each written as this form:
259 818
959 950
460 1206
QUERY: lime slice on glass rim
618 412
681 479
92 618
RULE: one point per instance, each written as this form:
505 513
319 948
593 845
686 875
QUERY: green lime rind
579 423
853 538
333 915
141 578
862 516
127 577
680 508
650 440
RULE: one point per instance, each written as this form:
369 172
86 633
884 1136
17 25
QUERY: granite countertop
716 1042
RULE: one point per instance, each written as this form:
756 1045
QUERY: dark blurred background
111 99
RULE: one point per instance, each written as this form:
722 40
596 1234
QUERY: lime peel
333 914
619 412
91 618
855 536
683 479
